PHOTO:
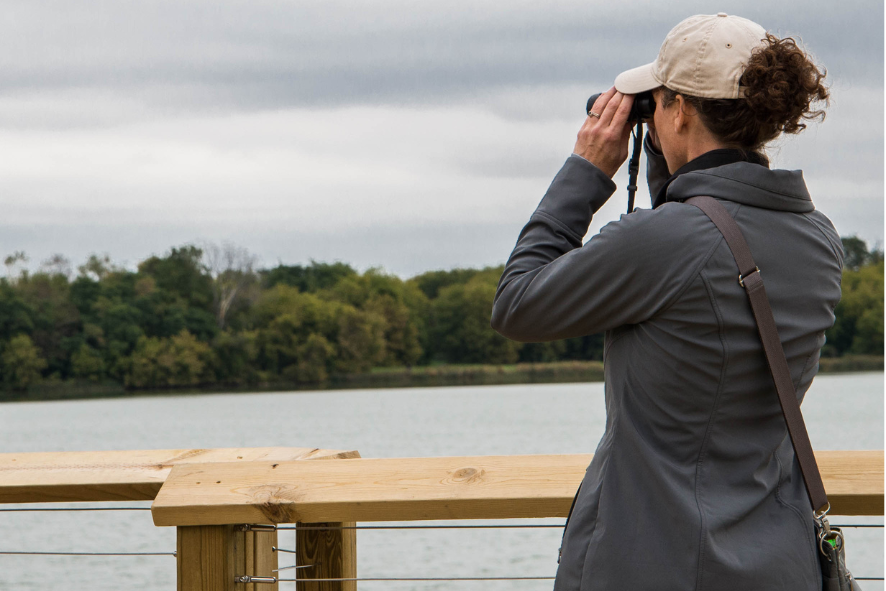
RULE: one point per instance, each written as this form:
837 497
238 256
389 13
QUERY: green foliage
401 330
237 357
309 312
542 352
97 267
433 281
361 340
296 330
401 306
285 320
182 273
87 363
460 324
120 328
16 314
165 314
859 325
56 321
856 253
584 348
315 356
21 363
181 360
311 278
163 326
84 293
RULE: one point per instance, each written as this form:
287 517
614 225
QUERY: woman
694 484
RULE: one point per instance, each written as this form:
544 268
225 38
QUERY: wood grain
206 558
853 481
261 559
332 554
121 475
402 489
211 557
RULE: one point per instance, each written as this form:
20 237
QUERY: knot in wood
468 475
275 502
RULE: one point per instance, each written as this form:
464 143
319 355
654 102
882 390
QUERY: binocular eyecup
643 107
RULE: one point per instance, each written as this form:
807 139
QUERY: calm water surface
842 412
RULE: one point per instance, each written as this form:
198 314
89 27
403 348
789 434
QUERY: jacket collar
737 176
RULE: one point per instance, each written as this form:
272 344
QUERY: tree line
209 317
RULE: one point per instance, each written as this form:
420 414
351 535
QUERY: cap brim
637 80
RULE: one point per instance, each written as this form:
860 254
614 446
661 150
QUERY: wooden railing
215 497
46 477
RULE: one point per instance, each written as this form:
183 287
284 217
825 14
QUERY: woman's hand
603 141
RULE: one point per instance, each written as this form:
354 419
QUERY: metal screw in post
248 579
264 528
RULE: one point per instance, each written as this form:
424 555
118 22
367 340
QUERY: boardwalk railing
226 504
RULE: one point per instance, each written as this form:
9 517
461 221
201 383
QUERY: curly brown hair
781 82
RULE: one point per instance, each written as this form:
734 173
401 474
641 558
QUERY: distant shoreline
558 372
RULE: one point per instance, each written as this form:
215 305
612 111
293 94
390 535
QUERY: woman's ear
680 115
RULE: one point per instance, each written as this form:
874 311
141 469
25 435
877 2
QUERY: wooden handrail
403 489
205 493
122 475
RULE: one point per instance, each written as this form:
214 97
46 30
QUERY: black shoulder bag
835 576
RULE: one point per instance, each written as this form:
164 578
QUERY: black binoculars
643 107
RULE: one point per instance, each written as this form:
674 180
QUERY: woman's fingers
602 100
615 110
611 107
620 117
603 140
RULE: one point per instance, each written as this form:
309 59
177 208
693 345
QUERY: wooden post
261 559
209 557
332 552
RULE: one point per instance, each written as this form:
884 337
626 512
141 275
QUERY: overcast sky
407 135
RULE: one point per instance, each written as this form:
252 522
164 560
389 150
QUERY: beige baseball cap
703 56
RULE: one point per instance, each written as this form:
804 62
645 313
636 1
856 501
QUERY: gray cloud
255 55
397 133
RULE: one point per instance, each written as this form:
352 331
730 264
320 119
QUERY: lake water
842 412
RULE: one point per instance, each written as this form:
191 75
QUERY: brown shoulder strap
749 278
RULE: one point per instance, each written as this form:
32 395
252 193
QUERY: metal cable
30 509
461 579
2 553
526 526
338 527
416 579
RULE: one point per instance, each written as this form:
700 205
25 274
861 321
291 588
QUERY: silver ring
834 534
592 114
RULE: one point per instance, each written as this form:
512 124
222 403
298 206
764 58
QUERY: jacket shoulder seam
701 452
695 272
823 233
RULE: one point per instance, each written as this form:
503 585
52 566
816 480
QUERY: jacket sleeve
656 168
555 288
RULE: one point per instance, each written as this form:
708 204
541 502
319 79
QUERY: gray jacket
694 484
